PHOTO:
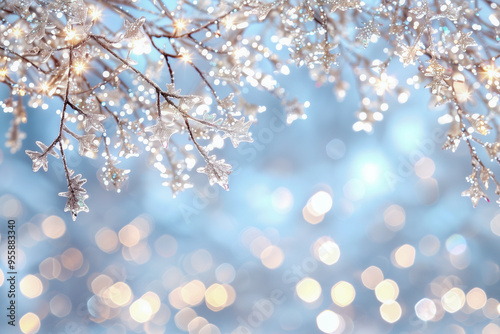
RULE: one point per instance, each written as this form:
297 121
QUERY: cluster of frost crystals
450 48
119 96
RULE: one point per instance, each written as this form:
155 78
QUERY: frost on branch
123 90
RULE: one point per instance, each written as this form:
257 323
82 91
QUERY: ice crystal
217 171
76 195
40 158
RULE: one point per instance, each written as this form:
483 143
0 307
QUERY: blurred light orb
201 260
231 294
425 309
53 227
491 328
308 289
462 260
107 240
328 321
96 308
175 298
326 250
10 206
424 168
225 273
404 256
129 235
60 305
140 310
456 244
197 324
311 217
429 245
72 259
153 299
216 296
394 217
50 268
272 257
371 277
120 293
166 246
390 311
209 329
476 298
184 317
453 300
387 291
492 308
100 283
343 293
320 203
31 286
193 292
454 329
495 225
29 323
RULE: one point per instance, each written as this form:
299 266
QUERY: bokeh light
31 286
425 309
371 277
390 311
272 257
308 289
326 250
29 323
453 300
343 293
328 321
53 227
387 291
404 256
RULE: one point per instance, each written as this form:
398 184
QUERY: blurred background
324 230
